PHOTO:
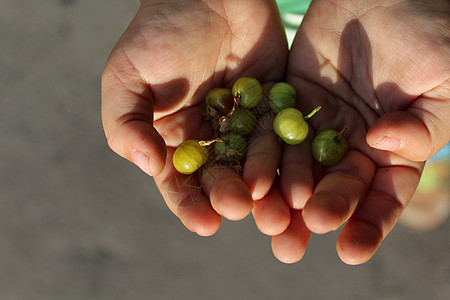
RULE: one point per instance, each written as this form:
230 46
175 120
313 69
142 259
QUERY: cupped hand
382 71
153 90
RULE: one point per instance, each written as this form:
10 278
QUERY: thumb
139 142
416 137
127 118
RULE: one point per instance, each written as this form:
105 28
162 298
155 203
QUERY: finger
271 213
296 174
338 193
290 246
416 134
229 195
184 196
260 168
264 151
127 116
392 189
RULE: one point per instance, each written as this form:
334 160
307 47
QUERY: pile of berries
233 121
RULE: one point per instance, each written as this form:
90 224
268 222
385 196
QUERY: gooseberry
329 147
248 91
282 95
242 121
189 157
220 99
290 125
231 148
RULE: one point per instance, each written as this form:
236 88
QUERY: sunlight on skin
290 246
271 213
229 195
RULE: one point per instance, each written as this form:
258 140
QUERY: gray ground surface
78 222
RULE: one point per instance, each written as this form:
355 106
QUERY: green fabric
293 6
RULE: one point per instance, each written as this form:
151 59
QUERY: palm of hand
164 64
358 75
189 53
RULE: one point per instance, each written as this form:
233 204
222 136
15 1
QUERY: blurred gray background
79 222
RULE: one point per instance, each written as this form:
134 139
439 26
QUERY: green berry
232 149
290 126
329 147
249 91
242 121
282 95
221 99
189 157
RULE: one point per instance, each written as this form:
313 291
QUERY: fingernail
141 160
388 143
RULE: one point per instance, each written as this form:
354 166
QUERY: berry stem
224 120
340 133
312 113
209 142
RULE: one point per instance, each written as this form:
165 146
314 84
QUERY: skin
153 92
382 70
378 70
